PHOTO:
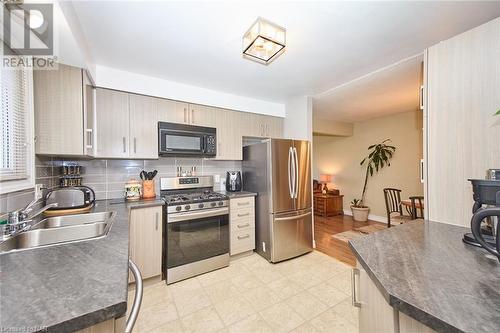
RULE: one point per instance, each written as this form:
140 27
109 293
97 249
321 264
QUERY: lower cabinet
375 314
116 325
242 225
146 240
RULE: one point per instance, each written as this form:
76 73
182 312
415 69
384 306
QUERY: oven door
195 236
181 143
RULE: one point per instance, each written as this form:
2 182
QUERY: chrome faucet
18 220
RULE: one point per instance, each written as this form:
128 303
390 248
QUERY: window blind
13 124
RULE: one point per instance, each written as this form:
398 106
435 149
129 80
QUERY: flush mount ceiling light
264 41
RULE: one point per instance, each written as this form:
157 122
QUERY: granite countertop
240 194
68 287
424 270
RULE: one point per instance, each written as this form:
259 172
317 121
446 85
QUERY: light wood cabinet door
375 314
112 113
201 115
172 111
229 138
89 115
146 240
143 141
58 105
275 127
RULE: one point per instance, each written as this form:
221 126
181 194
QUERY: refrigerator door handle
290 218
290 154
296 168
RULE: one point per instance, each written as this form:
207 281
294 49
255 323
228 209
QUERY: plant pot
360 214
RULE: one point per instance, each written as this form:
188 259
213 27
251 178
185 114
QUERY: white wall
298 121
142 84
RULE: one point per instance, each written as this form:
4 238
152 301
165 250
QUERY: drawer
242 213
242 224
238 203
242 241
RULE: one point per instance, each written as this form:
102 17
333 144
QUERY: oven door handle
178 217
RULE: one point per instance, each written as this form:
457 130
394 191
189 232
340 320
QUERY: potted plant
378 157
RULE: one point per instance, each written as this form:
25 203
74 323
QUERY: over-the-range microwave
186 140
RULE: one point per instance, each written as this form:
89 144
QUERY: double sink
61 229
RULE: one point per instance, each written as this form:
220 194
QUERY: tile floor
306 294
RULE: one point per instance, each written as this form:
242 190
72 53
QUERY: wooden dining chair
417 206
392 198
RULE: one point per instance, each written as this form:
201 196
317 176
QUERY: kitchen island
428 276
68 287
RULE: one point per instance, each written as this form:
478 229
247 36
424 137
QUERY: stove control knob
221 203
212 204
178 208
187 207
201 205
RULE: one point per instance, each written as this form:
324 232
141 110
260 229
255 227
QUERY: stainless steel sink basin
72 220
63 229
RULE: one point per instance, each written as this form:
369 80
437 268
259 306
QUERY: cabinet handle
243 225
156 223
192 116
135 145
355 302
241 215
243 203
89 138
124 145
421 97
243 237
267 129
185 115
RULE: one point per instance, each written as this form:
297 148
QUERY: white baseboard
376 218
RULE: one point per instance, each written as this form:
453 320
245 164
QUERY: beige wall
340 157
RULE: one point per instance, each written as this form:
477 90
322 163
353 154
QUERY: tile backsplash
108 177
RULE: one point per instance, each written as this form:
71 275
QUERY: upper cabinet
61 111
262 126
172 111
126 125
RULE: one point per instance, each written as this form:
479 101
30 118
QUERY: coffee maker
485 192
233 181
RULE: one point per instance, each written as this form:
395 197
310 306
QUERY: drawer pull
243 225
243 203
241 215
243 237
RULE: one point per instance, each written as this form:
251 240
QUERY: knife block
148 189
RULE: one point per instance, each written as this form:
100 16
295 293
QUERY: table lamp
325 179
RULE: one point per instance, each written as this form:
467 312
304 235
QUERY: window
16 130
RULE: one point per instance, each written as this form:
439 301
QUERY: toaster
70 197
233 181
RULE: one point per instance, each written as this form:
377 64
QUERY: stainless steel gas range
196 227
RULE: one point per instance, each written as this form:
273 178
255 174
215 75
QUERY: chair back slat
417 207
392 198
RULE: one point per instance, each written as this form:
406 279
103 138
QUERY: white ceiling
328 43
390 90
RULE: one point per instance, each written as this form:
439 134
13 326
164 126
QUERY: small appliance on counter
233 181
70 200
485 192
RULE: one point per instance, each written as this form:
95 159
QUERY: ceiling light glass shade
264 41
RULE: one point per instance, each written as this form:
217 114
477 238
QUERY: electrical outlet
38 191
216 178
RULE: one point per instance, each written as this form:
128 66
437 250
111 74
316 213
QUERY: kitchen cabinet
461 94
201 115
242 225
172 111
375 314
229 138
112 116
127 125
62 98
145 247
89 116
257 125
143 141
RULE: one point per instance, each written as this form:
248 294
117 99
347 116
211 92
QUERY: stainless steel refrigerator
279 170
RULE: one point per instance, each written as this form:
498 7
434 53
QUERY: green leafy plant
379 156
497 113
357 203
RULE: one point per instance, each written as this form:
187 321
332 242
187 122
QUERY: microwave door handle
204 144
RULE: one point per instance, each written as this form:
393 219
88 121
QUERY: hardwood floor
325 227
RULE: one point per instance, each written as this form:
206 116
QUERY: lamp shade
324 178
